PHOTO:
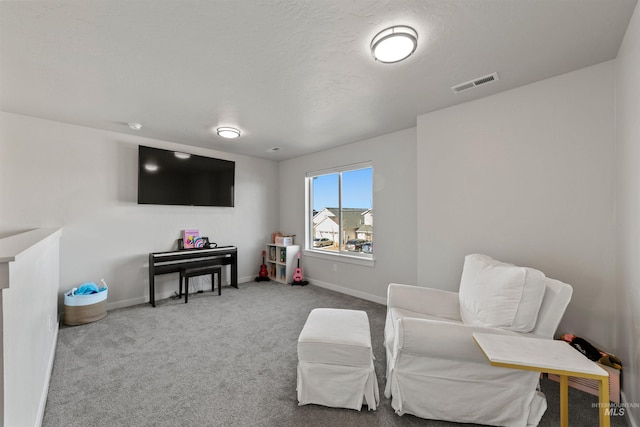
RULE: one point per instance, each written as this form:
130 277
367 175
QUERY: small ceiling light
228 132
135 126
394 44
182 156
151 167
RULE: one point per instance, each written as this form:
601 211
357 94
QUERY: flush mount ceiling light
394 44
135 126
228 132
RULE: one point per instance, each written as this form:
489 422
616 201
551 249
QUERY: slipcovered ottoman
335 360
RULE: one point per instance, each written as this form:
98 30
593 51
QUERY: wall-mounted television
177 178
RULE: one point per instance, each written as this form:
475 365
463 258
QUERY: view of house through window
341 210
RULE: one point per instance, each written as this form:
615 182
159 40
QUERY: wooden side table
550 356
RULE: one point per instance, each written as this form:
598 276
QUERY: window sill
349 259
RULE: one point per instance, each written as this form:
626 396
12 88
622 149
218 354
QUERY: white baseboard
130 302
245 279
159 296
45 389
319 283
631 421
348 291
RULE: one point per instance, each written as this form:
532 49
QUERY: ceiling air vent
475 83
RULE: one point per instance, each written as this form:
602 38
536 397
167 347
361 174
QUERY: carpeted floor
226 360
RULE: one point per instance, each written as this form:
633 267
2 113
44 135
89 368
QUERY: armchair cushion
500 295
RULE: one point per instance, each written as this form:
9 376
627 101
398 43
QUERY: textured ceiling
297 75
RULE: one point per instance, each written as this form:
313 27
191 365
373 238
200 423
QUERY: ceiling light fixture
135 126
394 44
228 132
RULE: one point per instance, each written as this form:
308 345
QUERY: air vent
475 83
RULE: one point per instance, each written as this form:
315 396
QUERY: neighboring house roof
352 218
365 229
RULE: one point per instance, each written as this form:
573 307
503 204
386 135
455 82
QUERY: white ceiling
293 74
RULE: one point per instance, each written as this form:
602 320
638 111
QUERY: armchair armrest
435 302
442 340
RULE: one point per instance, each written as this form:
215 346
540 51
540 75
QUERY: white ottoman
335 360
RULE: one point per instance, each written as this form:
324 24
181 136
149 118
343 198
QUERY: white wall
29 327
394 213
628 210
526 176
85 180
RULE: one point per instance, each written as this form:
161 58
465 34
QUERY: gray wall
394 213
85 180
526 176
627 289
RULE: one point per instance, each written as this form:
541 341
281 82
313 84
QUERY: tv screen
176 178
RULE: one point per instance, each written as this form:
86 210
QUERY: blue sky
357 190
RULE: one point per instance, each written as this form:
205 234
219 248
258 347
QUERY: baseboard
348 291
245 279
45 389
330 286
631 421
160 295
135 301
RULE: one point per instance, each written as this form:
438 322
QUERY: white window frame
342 256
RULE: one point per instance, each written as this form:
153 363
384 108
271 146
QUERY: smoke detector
475 83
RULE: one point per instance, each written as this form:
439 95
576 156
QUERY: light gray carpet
225 360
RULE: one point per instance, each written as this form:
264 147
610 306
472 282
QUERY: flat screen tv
176 178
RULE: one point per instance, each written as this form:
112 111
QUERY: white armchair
435 369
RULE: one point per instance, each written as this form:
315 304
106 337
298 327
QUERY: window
340 211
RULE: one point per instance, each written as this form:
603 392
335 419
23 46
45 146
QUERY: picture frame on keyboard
199 243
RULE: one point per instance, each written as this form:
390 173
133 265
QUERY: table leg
564 401
604 402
